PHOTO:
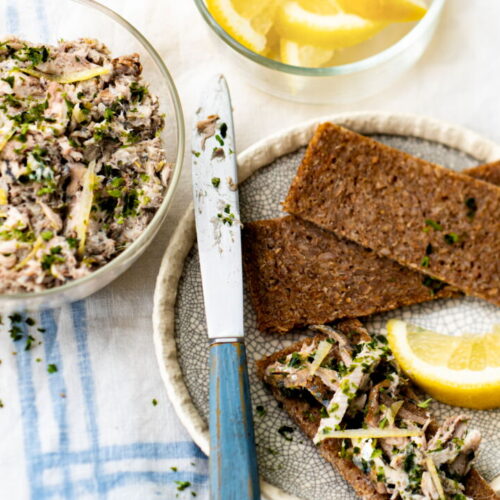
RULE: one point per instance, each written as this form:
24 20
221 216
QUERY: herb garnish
471 205
261 411
223 130
286 431
182 485
228 218
52 258
425 261
433 224
215 182
137 92
424 404
51 368
433 283
154 401
219 139
10 80
451 238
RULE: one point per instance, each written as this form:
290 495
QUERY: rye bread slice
398 205
299 274
489 172
306 415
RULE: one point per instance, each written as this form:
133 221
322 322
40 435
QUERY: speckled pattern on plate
295 466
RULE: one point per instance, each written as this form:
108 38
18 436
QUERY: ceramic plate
293 469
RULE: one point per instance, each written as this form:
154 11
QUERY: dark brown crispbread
489 172
307 417
381 198
299 274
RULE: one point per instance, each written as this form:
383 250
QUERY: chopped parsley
182 485
219 139
425 261
227 217
137 92
223 130
196 153
53 257
215 182
433 224
10 80
47 235
434 284
295 360
35 55
154 401
451 238
471 205
286 432
383 423
174 469
261 411
424 404
51 368
72 242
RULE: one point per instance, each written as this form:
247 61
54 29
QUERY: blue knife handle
233 459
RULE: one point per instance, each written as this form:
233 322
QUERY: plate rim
260 154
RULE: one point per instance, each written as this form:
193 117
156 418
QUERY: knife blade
218 226
233 460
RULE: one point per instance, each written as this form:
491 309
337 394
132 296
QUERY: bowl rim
134 250
369 62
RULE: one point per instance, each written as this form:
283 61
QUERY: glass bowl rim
148 234
342 69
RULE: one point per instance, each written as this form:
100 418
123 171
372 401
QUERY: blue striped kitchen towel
83 411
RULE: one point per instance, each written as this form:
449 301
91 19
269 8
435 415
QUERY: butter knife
233 462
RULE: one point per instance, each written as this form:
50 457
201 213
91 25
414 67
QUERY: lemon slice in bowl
386 10
237 26
460 371
306 56
334 31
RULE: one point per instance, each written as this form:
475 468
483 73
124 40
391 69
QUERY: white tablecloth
91 430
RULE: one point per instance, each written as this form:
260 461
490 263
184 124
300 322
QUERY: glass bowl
69 20
335 84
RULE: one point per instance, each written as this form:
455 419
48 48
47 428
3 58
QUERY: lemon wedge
237 26
386 10
332 32
460 371
306 56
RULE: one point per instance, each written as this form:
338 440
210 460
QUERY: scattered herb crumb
424 404
194 494
1 403
219 139
425 261
286 432
215 182
451 238
182 485
154 401
196 153
261 411
471 205
271 451
434 284
433 224
174 469
30 321
38 360
223 130
51 368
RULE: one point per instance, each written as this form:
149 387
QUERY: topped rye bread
426 217
317 382
299 274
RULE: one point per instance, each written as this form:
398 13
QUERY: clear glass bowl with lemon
322 50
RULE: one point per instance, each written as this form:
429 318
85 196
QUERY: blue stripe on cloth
153 451
79 318
120 479
57 387
12 18
29 417
40 12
